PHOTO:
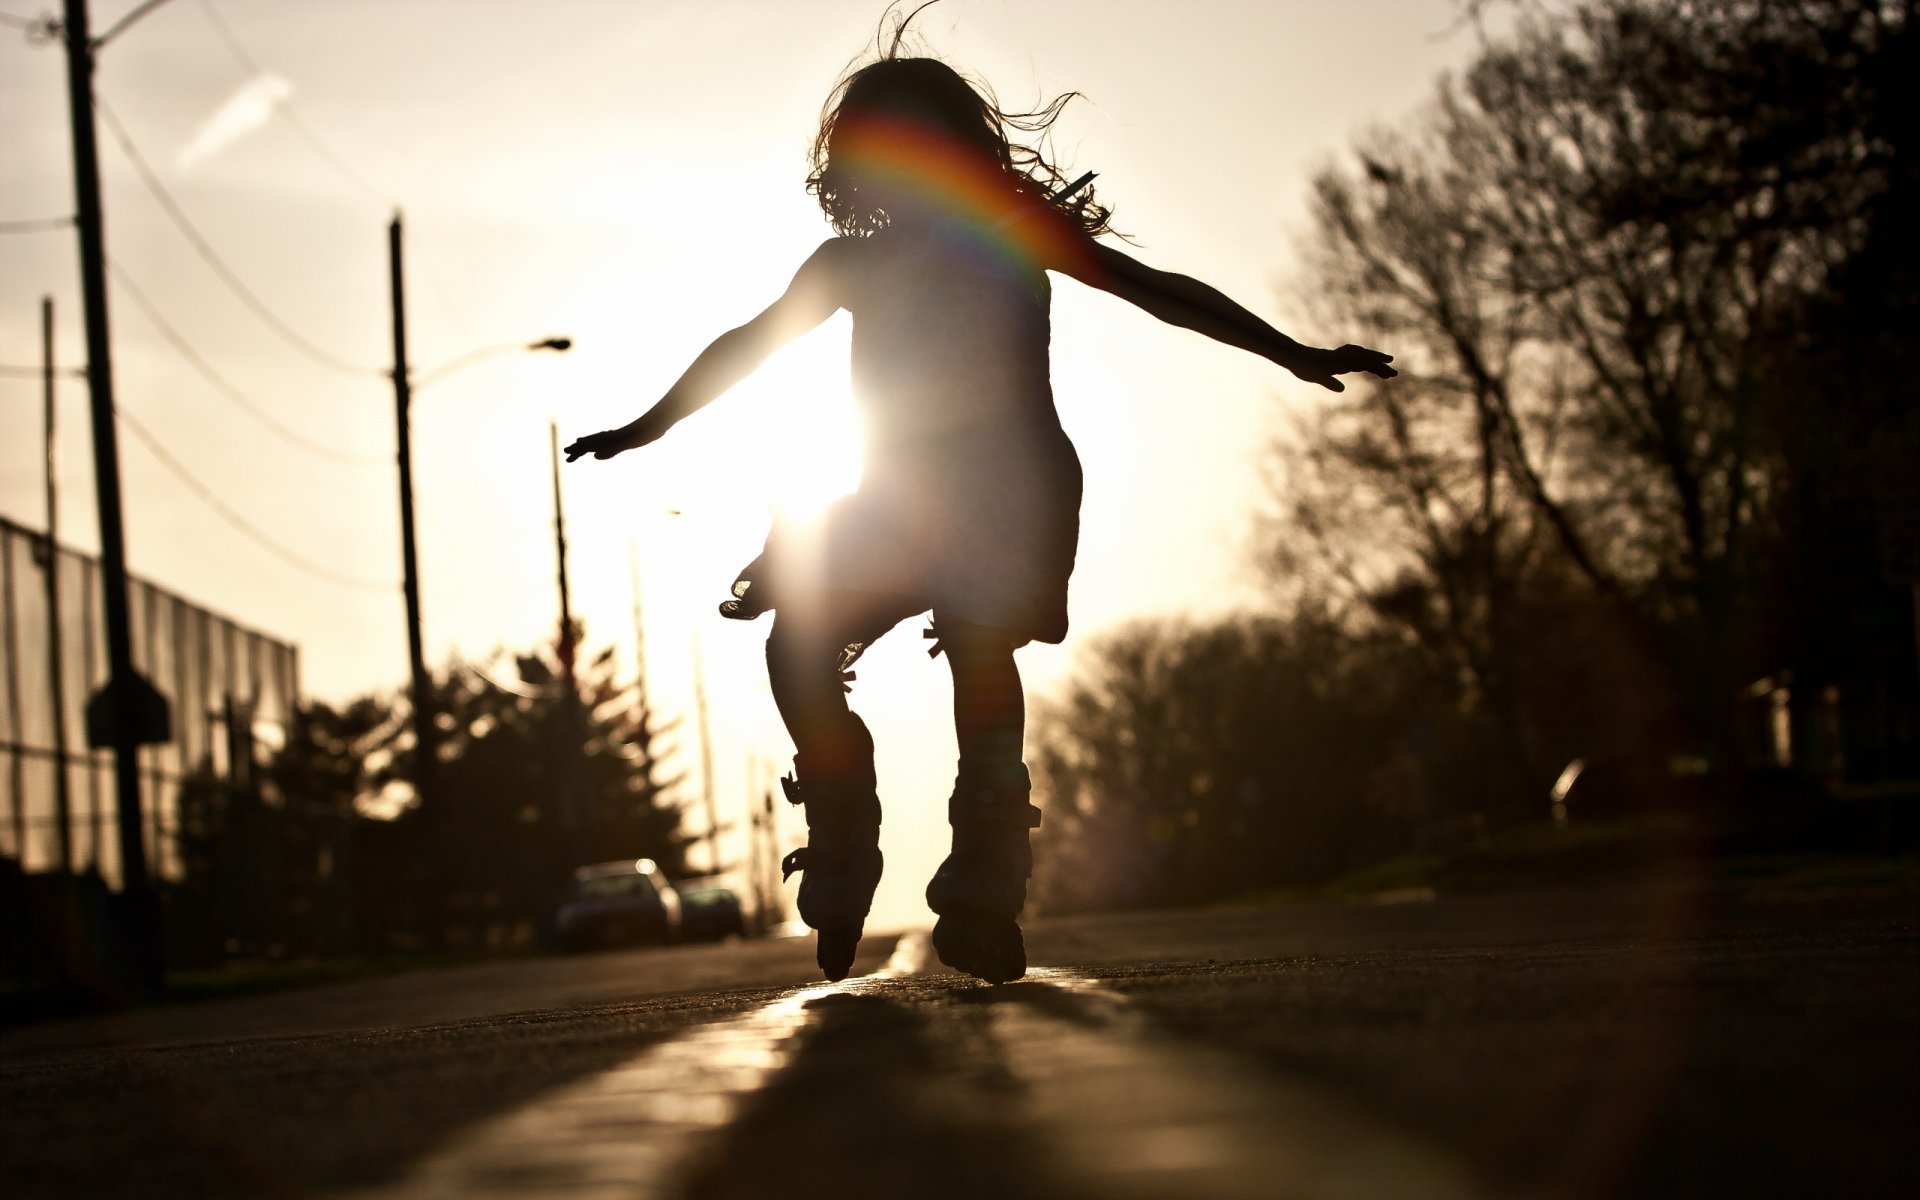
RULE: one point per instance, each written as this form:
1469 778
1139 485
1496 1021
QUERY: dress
969 498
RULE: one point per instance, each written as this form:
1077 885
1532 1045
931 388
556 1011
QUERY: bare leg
833 762
989 706
981 887
810 634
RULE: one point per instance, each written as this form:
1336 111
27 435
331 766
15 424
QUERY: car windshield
601 887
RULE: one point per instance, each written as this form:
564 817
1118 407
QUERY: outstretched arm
814 295
1190 304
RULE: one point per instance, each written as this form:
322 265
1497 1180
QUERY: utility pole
128 711
642 700
768 868
639 634
425 736
573 712
567 647
706 758
56 671
765 851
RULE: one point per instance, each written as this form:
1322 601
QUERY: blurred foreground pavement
1683 1039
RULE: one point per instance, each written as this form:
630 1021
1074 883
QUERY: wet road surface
1664 1041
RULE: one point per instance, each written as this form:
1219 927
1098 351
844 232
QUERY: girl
968 506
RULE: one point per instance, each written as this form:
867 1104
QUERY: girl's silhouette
968 506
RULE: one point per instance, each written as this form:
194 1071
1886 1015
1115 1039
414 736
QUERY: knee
968 645
785 667
799 661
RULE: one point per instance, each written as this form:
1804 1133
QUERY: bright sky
629 175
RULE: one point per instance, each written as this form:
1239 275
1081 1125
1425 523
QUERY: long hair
919 107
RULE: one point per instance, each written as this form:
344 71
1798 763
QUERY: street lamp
425 741
559 345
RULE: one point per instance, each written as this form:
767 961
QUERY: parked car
623 903
710 910
1631 785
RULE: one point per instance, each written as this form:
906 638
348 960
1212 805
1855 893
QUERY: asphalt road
1678 1040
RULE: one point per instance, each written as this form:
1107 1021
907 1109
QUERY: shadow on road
880 1103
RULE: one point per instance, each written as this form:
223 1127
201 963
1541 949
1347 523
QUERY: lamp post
421 684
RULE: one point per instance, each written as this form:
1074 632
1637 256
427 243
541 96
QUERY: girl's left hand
1320 366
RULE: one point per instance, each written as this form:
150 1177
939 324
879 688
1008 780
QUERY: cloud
246 110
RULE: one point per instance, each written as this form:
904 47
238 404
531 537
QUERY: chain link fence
232 691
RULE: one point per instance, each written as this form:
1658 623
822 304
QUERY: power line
239 522
212 259
285 108
36 225
123 23
227 389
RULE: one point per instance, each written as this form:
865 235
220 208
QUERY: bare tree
1590 258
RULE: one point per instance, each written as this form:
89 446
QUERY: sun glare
795 423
